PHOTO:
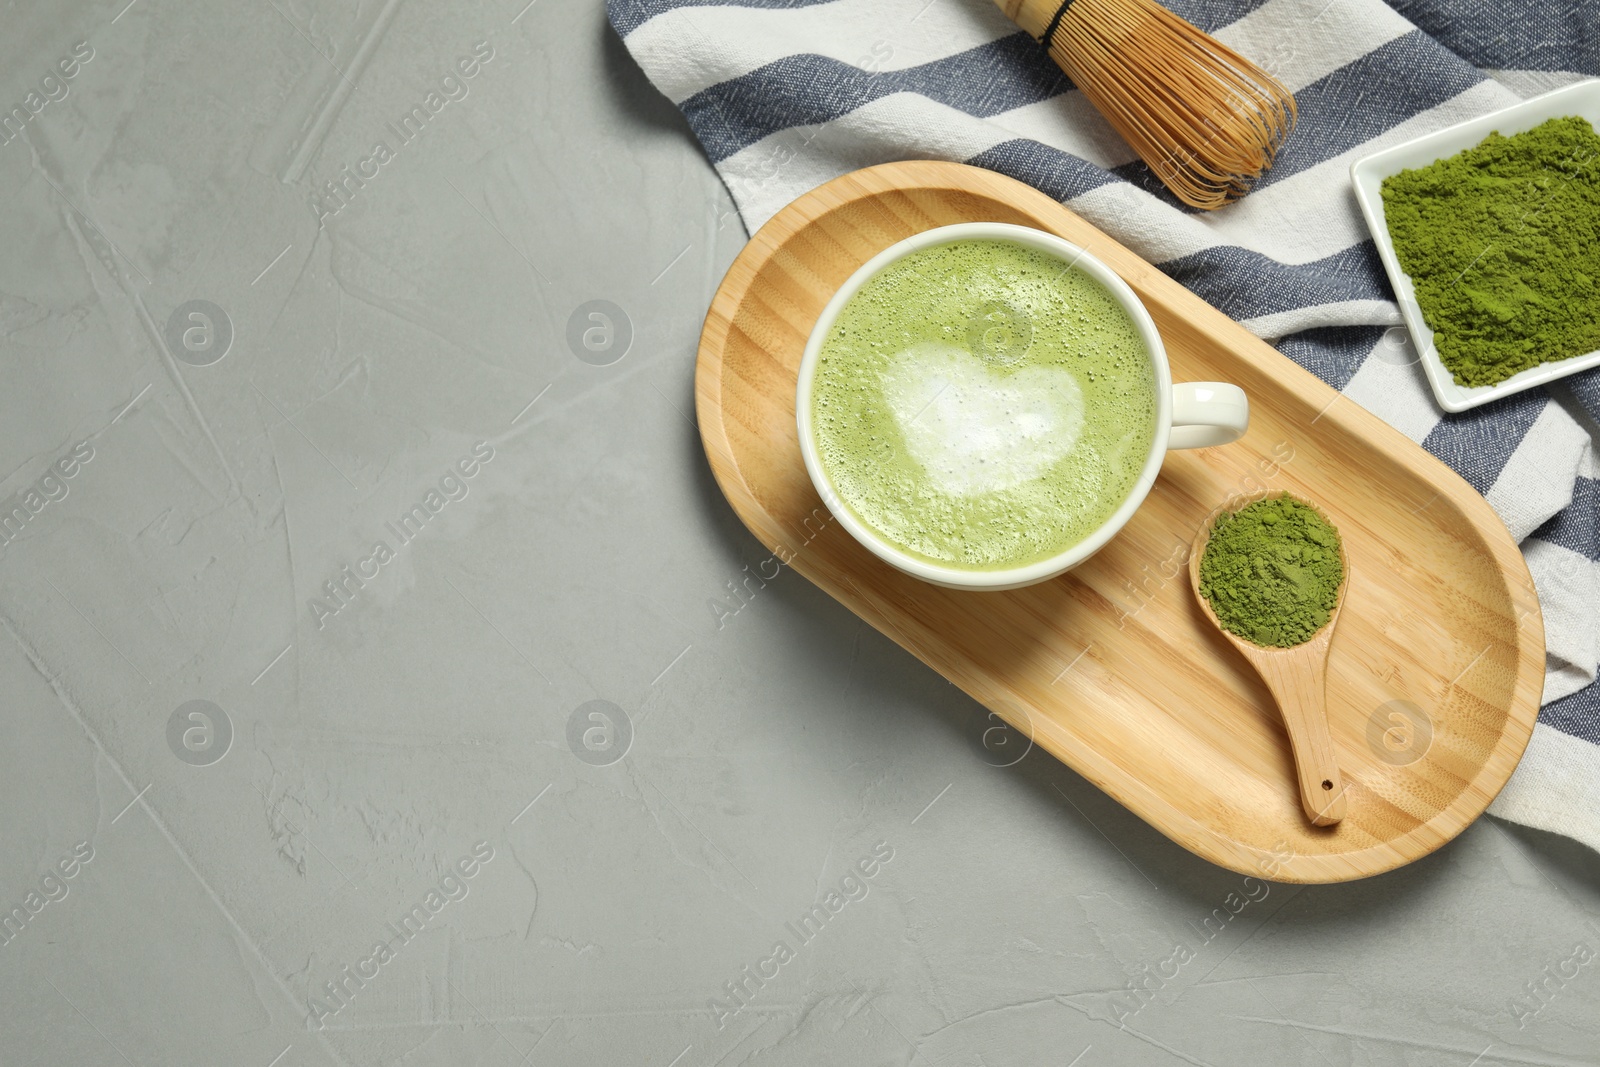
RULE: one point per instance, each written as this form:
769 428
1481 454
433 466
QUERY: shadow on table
631 94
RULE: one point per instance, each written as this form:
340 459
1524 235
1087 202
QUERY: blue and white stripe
787 94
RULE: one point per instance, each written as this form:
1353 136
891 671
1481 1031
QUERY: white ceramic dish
1581 99
1188 414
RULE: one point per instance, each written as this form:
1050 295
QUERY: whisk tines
1207 120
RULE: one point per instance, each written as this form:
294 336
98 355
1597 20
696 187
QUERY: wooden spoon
1297 678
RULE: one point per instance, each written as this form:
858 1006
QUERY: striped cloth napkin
786 94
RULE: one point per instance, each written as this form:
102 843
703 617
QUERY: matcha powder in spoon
1502 243
1272 571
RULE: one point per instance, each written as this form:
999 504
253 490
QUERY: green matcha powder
1502 243
1272 571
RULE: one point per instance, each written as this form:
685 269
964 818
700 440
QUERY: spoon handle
1299 684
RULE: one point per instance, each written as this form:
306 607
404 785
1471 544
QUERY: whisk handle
1038 17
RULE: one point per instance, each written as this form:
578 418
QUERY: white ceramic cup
1188 415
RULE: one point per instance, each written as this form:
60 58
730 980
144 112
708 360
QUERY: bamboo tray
1111 668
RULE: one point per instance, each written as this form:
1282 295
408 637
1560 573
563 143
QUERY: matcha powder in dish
1502 243
1272 571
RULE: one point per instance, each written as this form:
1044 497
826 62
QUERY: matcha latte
983 405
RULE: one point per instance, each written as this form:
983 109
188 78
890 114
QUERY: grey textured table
342 506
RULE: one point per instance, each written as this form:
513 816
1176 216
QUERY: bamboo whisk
1206 120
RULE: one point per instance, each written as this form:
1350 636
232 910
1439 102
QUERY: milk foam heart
976 428
983 404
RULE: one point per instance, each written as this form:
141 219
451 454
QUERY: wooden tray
1111 668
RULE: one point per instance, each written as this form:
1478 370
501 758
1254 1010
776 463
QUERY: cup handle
1207 413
